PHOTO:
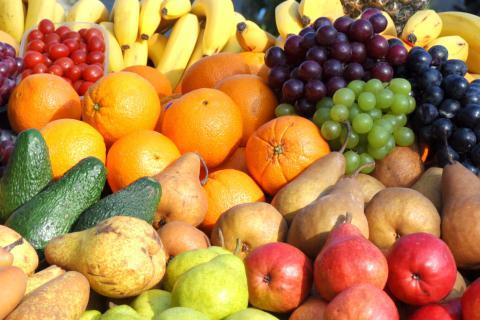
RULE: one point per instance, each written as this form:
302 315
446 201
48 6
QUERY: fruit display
214 170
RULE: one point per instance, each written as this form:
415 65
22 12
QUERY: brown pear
369 185
401 168
461 213
311 225
395 212
430 185
458 289
179 236
248 226
183 197
306 187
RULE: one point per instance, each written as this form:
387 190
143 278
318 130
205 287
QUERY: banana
287 18
39 10
149 18
466 26
457 46
310 10
197 53
115 56
137 54
12 18
232 43
179 49
93 11
126 16
422 28
174 9
220 18
156 46
59 14
253 38
390 30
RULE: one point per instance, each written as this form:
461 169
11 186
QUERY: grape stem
349 131
367 165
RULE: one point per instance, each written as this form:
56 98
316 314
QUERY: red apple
422 269
312 309
451 310
471 301
363 301
279 277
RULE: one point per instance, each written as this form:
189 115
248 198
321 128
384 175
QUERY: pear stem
13 245
367 165
207 240
204 181
238 247
222 239
349 131
347 218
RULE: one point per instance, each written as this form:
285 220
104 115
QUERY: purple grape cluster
10 68
7 143
325 57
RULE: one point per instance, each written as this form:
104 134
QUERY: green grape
364 159
404 136
390 143
378 154
374 86
339 113
400 86
344 96
284 109
401 120
413 105
326 102
390 118
356 86
320 116
366 101
353 112
378 137
353 138
361 148
331 130
362 123
352 160
401 104
385 123
384 99
375 113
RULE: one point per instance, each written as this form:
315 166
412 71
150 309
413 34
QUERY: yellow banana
422 28
232 43
12 18
149 18
39 10
59 14
93 11
457 46
174 9
280 42
390 30
197 53
466 26
220 18
253 38
137 54
126 16
115 56
156 46
310 10
179 48
287 18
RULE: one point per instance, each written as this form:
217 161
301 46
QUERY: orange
156 78
236 161
256 101
226 189
142 153
206 121
255 61
70 141
121 103
40 99
281 149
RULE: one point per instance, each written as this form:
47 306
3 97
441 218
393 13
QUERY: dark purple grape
369 12
475 82
425 134
369 63
433 95
454 66
277 76
359 52
321 22
377 47
341 51
326 35
471 97
11 65
334 84
475 155
309 70
470 166
341 37
332 68
439 55
468 116
19 62
294 73
315 90
10 51
431 77
455 86
292 47
395 42
360 30
442 128
426 113
305 108
306 30
418 60
353 71
318 54
382 71
292 90
308 40
449 108
4 69
463 139
446 155
11 84
342 24
275 56
379 22
397 55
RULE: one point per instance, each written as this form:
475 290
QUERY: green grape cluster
377 113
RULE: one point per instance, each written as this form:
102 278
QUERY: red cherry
46 26
58 50
84 87
65 63
74 73
61 31
95 57
32 58
35 35
79 56
36 45
56 70
92 73
39 68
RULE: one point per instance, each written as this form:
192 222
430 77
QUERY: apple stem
13 245
345 142
204 181
367 165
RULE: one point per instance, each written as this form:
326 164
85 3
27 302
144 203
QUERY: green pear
91 315
187 260
151 303
217 288
251 314
180 313
121 312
